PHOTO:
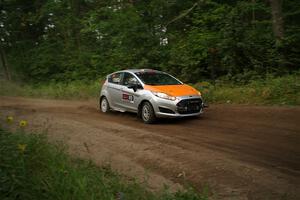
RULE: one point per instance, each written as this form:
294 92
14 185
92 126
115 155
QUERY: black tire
147 113
104 105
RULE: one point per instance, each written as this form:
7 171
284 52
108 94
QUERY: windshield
157 78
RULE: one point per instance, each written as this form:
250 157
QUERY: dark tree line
65 40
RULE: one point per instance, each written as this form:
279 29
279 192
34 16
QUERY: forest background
222 47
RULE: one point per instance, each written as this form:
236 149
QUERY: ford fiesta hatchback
150 93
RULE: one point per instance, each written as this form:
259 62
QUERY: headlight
199 93
164 96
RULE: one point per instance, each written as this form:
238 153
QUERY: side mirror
135 87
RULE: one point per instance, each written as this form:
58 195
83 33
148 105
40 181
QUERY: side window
115 78
129 79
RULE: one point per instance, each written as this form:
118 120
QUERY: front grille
166 110
189 106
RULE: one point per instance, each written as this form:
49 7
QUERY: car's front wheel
104 105
147 113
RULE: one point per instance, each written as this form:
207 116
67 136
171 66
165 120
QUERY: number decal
127 97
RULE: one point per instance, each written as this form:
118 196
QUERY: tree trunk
277 19
4 64
253 12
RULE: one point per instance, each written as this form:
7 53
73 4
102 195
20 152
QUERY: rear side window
115 78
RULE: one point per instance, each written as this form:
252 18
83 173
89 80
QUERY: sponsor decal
128 97
194 102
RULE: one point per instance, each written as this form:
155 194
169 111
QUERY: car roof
139 70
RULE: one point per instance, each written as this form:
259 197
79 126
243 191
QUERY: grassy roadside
270 91
73 90
32 168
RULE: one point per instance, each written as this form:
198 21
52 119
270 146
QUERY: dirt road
238 152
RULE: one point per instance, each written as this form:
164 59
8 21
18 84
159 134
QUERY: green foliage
83 40
270 91
32 168
247 88
225 40
60 90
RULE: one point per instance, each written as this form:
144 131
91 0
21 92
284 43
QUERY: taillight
102 82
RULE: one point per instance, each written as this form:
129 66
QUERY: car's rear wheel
104 105
147 113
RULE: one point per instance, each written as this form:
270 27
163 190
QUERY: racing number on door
127 97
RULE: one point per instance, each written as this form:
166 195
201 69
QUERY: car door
130 98
114 89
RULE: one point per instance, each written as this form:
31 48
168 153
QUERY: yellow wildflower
22 147
9 119
23 123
